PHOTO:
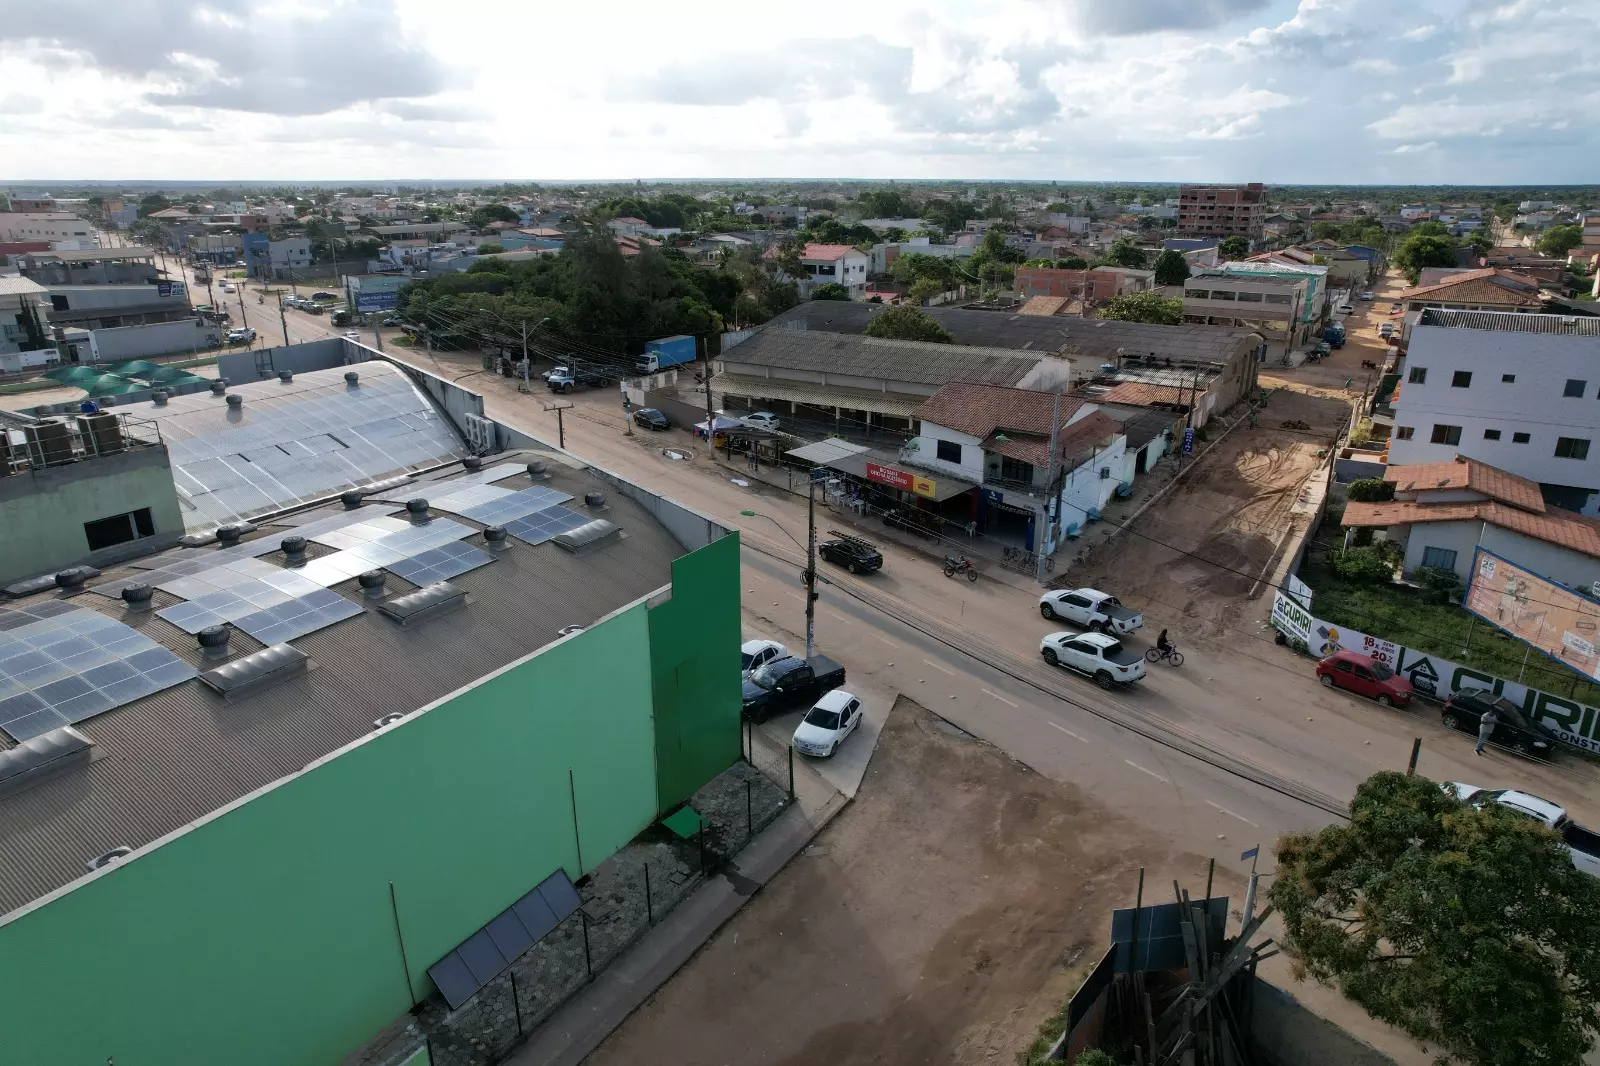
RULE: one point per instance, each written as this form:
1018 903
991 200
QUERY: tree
491 248
907 323
1171 268
1422 250
830 291
1232 248
482 216
1559 240
924 290
1072 262
1468 928
1124 253
1148 306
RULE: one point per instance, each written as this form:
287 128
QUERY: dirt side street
925 925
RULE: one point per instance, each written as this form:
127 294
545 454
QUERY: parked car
1515 730
1364 676
392 320
1346 309
1099 656
852 553
785 683
1368 296
1090 607
241 335
325 296
1395 308
227 286
1385 328
650 418
1583 844
760 420
831 719
352 335
754 654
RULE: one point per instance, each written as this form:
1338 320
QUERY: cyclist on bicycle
1163 644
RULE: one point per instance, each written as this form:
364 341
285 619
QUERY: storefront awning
870 468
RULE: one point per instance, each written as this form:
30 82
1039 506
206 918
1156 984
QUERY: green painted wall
265 935
52 505
694 667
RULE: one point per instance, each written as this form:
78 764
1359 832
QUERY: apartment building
1097 283
1270 306
1518 391
1222 210
53 226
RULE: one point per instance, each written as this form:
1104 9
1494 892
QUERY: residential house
1443 512
826 264
1520 261
628 226
1517 390
882 256
289 255
1485 289
1095 285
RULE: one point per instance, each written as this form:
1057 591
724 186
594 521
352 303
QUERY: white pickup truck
1584 844
1098 655
1090 607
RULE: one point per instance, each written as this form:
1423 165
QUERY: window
1574 387
1572 448
949 451
1491 434
119 529
1443 434
1508 379
1443 558
1403 432
1461 379
58 303
1419 376
1519 438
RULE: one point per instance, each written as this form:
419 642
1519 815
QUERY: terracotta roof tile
1487 286
1464 473
1562 528
1074 443
1144 394
1043 305
979 410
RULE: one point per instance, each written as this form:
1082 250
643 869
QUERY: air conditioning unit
480 433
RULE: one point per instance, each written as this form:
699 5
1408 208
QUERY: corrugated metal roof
1511 322
913 362
168 759
1043 334
894 404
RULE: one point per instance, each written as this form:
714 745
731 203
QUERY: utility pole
711 419
1050 483
561 429
811 559
526 366
282 321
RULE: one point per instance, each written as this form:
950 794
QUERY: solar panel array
61 664
298 617
296 441
523 502
383 542
440 564
229 593
489 951
542 525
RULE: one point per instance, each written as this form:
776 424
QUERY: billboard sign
900 479
1563 624
374 292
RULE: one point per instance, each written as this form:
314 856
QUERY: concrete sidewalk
575 1030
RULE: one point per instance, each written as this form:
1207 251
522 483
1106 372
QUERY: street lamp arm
774 521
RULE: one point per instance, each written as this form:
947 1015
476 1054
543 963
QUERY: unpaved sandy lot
1199 550
939 919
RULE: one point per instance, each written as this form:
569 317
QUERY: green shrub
1441 583
1371 490
1094 1057
1363 537
1361 566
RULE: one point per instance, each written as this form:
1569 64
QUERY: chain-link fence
622 899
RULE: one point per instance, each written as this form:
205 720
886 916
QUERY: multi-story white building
53 226
291 254
1520 392
831 264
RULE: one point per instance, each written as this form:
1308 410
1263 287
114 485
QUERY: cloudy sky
1462 91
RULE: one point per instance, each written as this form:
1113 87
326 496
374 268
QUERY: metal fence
622 899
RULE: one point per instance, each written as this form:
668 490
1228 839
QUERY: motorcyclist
1163 645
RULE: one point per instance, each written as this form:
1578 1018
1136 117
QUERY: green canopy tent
73 375
170 375
110 385
137 368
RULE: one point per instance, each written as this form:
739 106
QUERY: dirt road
925 925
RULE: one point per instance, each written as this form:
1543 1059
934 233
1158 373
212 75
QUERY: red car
1365 677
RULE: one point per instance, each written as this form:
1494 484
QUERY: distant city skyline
1320 92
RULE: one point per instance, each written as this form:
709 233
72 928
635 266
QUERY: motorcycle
962 565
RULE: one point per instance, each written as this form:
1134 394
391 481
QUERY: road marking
887 641
997 696
1230 814
1152 773
1067 731
840 617
936 666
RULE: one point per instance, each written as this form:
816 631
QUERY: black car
1514 730
786 683
854 554
650 418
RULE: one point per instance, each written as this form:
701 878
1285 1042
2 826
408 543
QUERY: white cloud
1425 146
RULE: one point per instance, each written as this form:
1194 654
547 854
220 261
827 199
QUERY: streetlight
817 474
527 367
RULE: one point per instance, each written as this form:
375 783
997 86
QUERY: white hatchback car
761 420
831 719
754 654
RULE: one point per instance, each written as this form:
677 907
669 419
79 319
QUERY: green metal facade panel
265 935
694 664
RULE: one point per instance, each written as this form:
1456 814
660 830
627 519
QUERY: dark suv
852 553
1515 729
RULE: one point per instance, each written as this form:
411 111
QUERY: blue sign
992 497
377 301
1188 440
819 473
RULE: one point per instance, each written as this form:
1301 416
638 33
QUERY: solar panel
297 617
385 542
489 951
523 502
543 525
227 594
439 564
61 664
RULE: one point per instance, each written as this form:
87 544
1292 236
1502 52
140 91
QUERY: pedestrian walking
1486 726
751 462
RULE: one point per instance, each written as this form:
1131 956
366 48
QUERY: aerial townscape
1083 547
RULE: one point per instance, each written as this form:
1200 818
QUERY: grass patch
404 340
1415 618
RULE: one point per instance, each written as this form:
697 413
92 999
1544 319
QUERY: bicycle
1173 656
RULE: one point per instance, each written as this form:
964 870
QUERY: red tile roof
1469 474
826 252
1562 528
1073 444
1043 305
979 410
1144 394
1489 285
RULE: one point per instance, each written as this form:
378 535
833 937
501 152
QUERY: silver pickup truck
1583 844
1092 608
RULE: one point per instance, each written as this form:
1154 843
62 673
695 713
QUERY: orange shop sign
900 479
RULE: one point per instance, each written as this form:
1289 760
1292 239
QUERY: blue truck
665 352
1334 335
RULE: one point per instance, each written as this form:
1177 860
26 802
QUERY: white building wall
926 452
1459 537
1085 487
1532 403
